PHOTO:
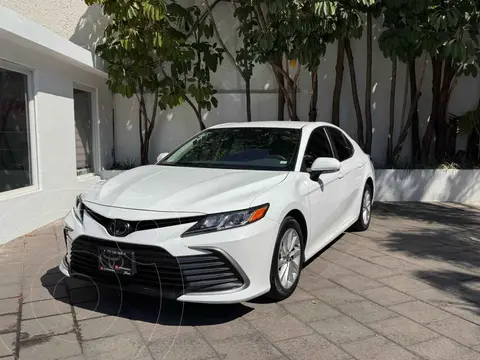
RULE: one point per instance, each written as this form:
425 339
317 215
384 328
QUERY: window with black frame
342 145
82 101
317 146
15 164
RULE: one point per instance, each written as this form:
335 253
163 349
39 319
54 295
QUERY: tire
281 287
363 221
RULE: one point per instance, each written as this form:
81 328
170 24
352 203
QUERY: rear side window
318 146
343 147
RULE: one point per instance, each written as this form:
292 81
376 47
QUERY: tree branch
281 70
222 44
260 17
195 110
202 18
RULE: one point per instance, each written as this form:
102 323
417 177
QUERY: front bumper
225 267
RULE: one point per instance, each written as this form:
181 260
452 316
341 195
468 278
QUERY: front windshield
239 148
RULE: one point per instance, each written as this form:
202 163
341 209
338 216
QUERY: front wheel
363 221
288 258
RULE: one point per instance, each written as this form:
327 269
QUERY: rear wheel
363 221
288 258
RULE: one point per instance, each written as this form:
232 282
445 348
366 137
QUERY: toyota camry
231 214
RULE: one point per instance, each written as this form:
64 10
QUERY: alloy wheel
289 257
366 207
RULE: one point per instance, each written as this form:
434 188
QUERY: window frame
96 160
332 149
31 112
332 144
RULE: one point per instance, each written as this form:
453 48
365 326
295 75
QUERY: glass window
239 148
342 145
15 163
318 146
82 101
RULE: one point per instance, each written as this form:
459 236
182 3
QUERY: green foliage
190 76
147 50
124 165
468 122
247 31
138 38
298 29
446 30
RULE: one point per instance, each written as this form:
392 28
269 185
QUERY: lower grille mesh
157 269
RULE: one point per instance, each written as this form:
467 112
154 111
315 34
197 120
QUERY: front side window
239 148
82 102
318 146
343 147
15 161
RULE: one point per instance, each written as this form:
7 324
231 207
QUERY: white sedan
231 214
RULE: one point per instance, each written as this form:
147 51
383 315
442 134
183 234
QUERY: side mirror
323 165
161 156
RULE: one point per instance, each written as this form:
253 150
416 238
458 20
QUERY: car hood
183 189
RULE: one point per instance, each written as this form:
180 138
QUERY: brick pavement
409 288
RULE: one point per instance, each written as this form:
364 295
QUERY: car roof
271 124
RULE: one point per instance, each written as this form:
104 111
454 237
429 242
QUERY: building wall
178 124
72 19
53 151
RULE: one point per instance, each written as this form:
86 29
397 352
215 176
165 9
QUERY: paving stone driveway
409 288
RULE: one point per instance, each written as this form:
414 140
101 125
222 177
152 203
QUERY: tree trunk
413 107
289 89
356 101
368 87
248 99
312 114
391 126
451 147
437 66
415 120
441 129
337 91
443 75
473 146
145 151
146 130
281 93
405 96
281 106
292 101
141 133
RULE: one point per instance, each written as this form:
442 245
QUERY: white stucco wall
460 186
178 124
72 19
53 78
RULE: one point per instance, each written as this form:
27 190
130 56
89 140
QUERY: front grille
141 224
157 269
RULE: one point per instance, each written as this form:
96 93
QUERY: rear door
349 176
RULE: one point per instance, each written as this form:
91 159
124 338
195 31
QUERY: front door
322 194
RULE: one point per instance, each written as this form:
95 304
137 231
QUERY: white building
55 111
60 125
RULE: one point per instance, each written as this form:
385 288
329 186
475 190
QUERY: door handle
340 175
360 166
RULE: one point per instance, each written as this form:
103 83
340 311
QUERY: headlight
223 221
79 208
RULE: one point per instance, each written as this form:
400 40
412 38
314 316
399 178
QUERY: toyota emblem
119 228
109 259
